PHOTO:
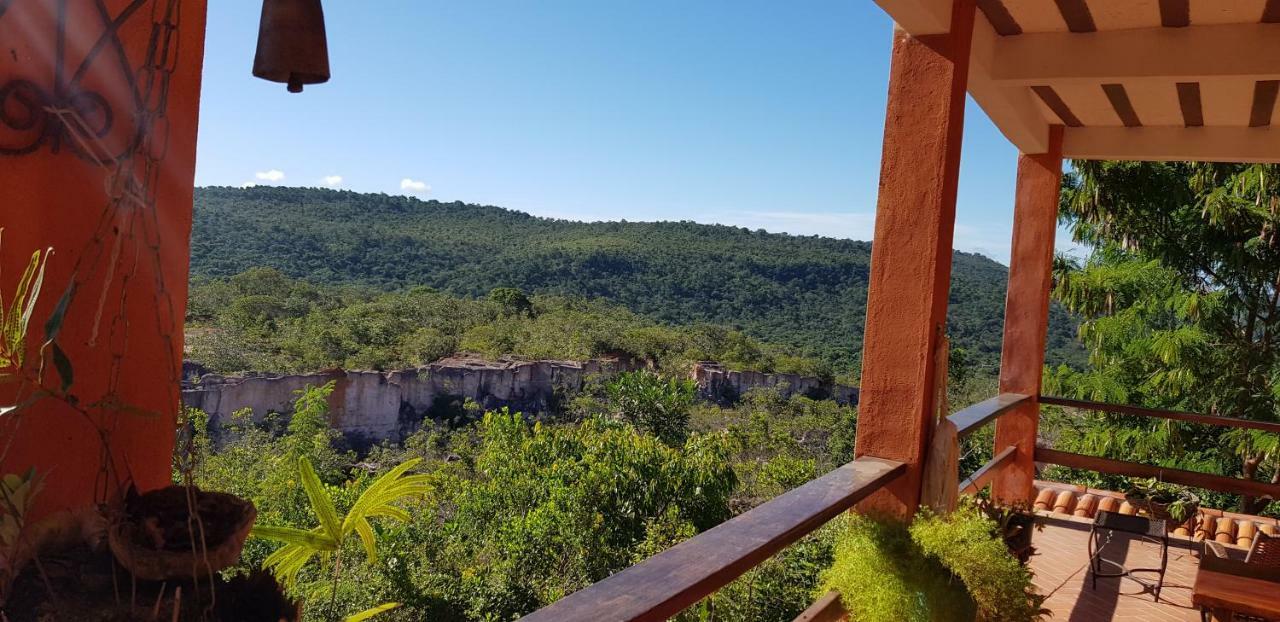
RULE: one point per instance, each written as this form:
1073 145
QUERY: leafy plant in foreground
377 501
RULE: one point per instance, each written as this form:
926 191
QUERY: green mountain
807 292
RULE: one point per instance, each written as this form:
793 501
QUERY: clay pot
153 538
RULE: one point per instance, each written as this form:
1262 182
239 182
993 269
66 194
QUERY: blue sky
755 113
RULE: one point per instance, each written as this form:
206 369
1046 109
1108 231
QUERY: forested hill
808 292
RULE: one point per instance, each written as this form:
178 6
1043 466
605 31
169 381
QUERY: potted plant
172 540
1014 525
1170 502
157 536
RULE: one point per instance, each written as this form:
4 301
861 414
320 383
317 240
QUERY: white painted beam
1173 54
919 17
1011 107
1206 144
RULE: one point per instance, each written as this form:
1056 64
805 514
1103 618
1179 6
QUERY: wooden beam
667 583
1205 144
1177 415
1119 99
970 419
1264 102
1175 13
1163 55
999 17
1051 99
1076 14
1190 104
987 472
1220 483
825 609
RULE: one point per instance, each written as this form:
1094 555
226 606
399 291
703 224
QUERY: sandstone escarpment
372 406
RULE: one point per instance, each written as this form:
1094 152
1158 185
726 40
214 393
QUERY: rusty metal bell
291 44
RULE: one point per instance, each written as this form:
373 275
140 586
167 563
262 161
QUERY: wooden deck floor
1062 573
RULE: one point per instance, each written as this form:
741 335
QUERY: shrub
952 567
657 405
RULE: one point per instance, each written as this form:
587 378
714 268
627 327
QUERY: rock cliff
371 406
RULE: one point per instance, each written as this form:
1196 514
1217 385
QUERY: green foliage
1179 301
882 576
551 509
805 293
952 567
380 499
17 494
970 545
509 517
257 460
659 406
262 320
15 319
511 300
1180 502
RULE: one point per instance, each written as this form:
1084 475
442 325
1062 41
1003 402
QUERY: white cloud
332 181
414 186
271 175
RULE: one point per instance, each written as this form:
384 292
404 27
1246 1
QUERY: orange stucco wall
1026 311
69 189
911 253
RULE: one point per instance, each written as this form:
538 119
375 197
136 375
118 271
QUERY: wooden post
1026 312
911 254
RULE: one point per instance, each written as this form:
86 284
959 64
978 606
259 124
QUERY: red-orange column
911 254
97 159
1026 311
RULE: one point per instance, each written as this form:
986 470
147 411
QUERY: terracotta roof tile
1078 502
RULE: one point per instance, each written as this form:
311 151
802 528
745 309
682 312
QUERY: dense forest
808 293
262 320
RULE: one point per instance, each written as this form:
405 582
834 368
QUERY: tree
1181 300
512 300
659 406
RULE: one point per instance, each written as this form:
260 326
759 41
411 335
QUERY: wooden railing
974 417
668 582
1229 422
672 580
968 421
987 472
1220 483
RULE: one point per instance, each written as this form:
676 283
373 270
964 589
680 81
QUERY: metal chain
129 225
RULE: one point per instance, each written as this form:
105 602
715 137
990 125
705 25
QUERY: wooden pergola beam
1166 54
1205 144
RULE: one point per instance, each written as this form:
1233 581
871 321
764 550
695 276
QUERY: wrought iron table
1106 524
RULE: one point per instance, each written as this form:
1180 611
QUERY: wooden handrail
665 584
987 472
969 419
1220 483
1230 422
825 609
